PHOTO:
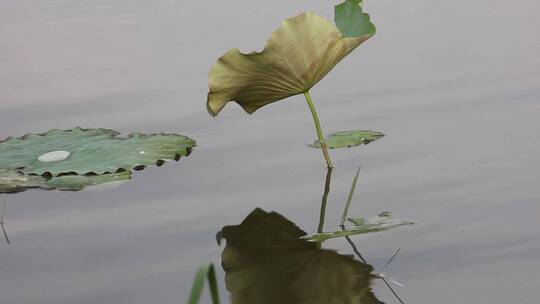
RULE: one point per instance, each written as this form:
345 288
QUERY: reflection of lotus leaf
79 182
381 222
347 139
12 182
95 151
296 57
266 262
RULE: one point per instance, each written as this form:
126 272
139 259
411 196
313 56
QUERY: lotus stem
324 147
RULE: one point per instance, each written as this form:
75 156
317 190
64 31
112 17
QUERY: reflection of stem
358 254
393 291
324 147
324 199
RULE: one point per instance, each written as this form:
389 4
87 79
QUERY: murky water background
454 85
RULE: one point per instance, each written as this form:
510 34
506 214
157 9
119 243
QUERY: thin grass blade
205 272
349 199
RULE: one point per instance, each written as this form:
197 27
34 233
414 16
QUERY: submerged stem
324 147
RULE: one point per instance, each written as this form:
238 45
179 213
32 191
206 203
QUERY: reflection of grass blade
390 260
349 199
2 215
204 272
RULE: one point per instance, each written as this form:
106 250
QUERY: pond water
454 85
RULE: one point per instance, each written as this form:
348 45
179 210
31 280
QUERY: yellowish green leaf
296 57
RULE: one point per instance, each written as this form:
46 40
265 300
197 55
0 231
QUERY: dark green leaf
351 21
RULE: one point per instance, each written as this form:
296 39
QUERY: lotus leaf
347 139
295 58
90 151
267 262
381 222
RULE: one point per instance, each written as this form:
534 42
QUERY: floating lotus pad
79 158
381 222
347 139
89 151
295 58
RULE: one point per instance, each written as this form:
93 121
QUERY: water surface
454 85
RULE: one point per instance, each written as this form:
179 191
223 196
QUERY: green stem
324 147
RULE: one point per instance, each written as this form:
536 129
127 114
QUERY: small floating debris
54 156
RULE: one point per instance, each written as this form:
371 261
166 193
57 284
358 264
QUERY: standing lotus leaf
296 57
89 151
